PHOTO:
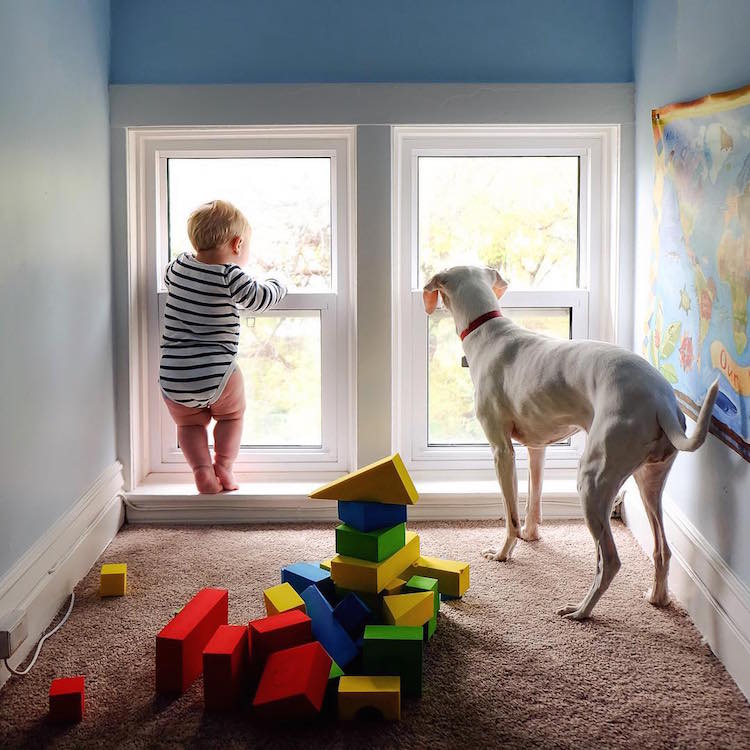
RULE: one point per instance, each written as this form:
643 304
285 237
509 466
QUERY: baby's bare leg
193 440
227 412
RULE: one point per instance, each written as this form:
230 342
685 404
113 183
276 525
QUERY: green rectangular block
395 650
374 546
422 583
429 628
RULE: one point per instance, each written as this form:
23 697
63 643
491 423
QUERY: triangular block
409 609
385 481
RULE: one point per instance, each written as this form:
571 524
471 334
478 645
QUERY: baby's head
219 229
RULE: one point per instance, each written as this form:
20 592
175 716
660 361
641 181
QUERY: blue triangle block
303 574
353 614
326 628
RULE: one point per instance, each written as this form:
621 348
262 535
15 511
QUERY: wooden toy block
375 546
293 683
396 586
363 575
180 644
326 564
332 689
374 602
370 516
409 609
327 629
452 577
353 614
113 579
225 667
303 574
422 583
395 650
67 699
429 628
276 633
282 598
358 694
385 481
335 672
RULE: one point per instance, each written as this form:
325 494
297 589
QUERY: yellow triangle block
409 609
452 576
282 598
385 481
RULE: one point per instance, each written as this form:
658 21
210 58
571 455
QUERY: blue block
371 516
327 629
303 574
353 614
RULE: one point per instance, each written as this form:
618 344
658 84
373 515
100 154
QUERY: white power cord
57 627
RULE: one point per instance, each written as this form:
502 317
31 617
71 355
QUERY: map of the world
697 326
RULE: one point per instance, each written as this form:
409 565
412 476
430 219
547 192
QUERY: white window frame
592 305
149 151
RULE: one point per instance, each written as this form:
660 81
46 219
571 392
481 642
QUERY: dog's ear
497 282
430 293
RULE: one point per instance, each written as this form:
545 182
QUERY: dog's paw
578 615
658 600
566 610
530 533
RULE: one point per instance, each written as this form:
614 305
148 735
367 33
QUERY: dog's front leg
505 467
530 530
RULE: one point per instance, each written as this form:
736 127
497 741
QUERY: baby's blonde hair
212 224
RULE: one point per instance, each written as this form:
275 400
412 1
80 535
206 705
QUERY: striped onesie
201 326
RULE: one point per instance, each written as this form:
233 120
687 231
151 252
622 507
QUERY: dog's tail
669 422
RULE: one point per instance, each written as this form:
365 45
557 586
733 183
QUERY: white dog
538 390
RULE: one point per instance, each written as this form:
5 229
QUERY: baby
198 373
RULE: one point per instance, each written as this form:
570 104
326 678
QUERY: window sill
175 500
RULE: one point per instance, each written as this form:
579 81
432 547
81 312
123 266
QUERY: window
516 199
295 187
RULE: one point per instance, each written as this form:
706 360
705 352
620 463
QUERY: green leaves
671 337
668 372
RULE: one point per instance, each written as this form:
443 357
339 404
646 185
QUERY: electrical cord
57 627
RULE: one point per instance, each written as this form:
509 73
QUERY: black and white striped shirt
201 326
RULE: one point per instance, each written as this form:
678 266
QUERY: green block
395 650
374 546
335 672
429 628
422 583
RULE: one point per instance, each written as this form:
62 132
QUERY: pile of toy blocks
348 632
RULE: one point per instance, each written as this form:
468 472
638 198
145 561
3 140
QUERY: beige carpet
502 670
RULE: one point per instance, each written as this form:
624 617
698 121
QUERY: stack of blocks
350 630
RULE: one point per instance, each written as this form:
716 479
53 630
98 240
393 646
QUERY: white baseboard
43 578
274 502
716 600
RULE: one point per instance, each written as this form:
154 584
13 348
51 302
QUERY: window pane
515 213
286 200
450 400
280 362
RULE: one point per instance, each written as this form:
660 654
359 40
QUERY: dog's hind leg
505 467
597 489
530 529
650 478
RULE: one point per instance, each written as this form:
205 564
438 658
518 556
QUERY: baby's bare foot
226 477
206 481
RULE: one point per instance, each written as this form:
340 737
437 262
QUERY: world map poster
697 322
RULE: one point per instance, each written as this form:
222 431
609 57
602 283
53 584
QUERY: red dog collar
478 322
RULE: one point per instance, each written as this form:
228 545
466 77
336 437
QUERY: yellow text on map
737 375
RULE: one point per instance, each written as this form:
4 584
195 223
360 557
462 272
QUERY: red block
225 667
179 646
293 683
66 699
277 632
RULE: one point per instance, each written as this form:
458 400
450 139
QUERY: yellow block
282 598
409 609
326 564
396 586
372 577
382 693
385 481
452 577
113 580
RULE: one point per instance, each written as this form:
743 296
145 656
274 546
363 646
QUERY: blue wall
683 49
56 392
282 41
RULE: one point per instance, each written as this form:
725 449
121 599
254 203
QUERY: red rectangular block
277 632
293 683
66 699
180 644
225 667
